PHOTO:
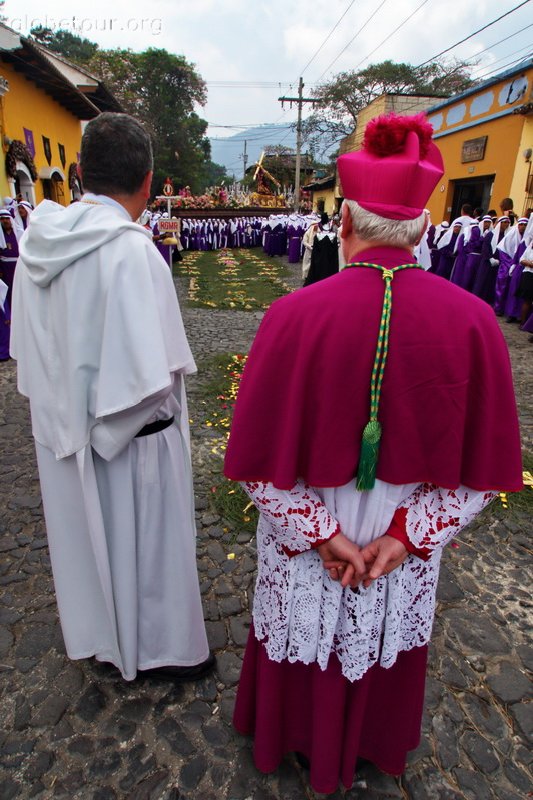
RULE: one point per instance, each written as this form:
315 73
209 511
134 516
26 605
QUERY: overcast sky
272 41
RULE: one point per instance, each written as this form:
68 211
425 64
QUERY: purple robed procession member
446 249
185 233
474 246
193 238
525 287
236 234
5 322
331 673
248 235
507 250
294 238
232 233
460 275
258 232
440 230
9 251
24 211
224 233
10 205
202 237
282 242
164 249
275 245
485 282
456 275
513 305
501 284
270 240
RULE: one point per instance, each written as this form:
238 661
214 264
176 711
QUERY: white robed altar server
102 355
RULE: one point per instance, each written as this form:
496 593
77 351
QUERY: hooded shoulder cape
447 409
96 323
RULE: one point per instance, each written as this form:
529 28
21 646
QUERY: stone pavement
76 730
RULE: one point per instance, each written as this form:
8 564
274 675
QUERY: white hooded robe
101 351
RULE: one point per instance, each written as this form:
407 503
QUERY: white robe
101 351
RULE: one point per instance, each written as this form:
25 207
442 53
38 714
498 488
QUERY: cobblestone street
77 730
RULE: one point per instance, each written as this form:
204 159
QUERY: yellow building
322 192
486 138
44 101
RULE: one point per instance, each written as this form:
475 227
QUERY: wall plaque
473 149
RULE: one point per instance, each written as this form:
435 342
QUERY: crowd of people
358 435
486 255
277 234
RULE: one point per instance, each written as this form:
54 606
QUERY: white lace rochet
301 614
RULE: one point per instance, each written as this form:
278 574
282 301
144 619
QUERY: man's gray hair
395 232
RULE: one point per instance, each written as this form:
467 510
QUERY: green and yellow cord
370 441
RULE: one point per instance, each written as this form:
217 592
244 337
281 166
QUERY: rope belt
368 458
155 427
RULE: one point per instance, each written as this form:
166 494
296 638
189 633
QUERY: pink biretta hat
395 173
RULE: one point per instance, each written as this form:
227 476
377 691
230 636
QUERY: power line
524 50
235 140
327 37
484 28
371 17
498 69
520 30
241 127
249 84
503 67
417 9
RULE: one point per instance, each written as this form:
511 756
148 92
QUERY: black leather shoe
180 674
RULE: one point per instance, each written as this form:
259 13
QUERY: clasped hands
351 565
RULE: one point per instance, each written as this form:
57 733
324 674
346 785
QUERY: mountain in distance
228 151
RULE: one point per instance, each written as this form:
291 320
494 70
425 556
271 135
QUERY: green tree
65 43
216 174
342 98
161 90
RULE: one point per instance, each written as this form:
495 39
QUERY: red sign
166 225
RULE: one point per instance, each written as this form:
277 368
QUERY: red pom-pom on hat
387 135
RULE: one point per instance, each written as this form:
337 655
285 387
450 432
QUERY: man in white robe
102 356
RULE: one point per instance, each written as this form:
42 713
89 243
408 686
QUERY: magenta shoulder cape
447 410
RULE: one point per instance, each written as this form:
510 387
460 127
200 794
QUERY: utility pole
300 100
245 159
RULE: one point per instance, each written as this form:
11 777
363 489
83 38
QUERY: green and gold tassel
370 441
368 457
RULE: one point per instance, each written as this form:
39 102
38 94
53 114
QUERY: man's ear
147 184
346 222
426 225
